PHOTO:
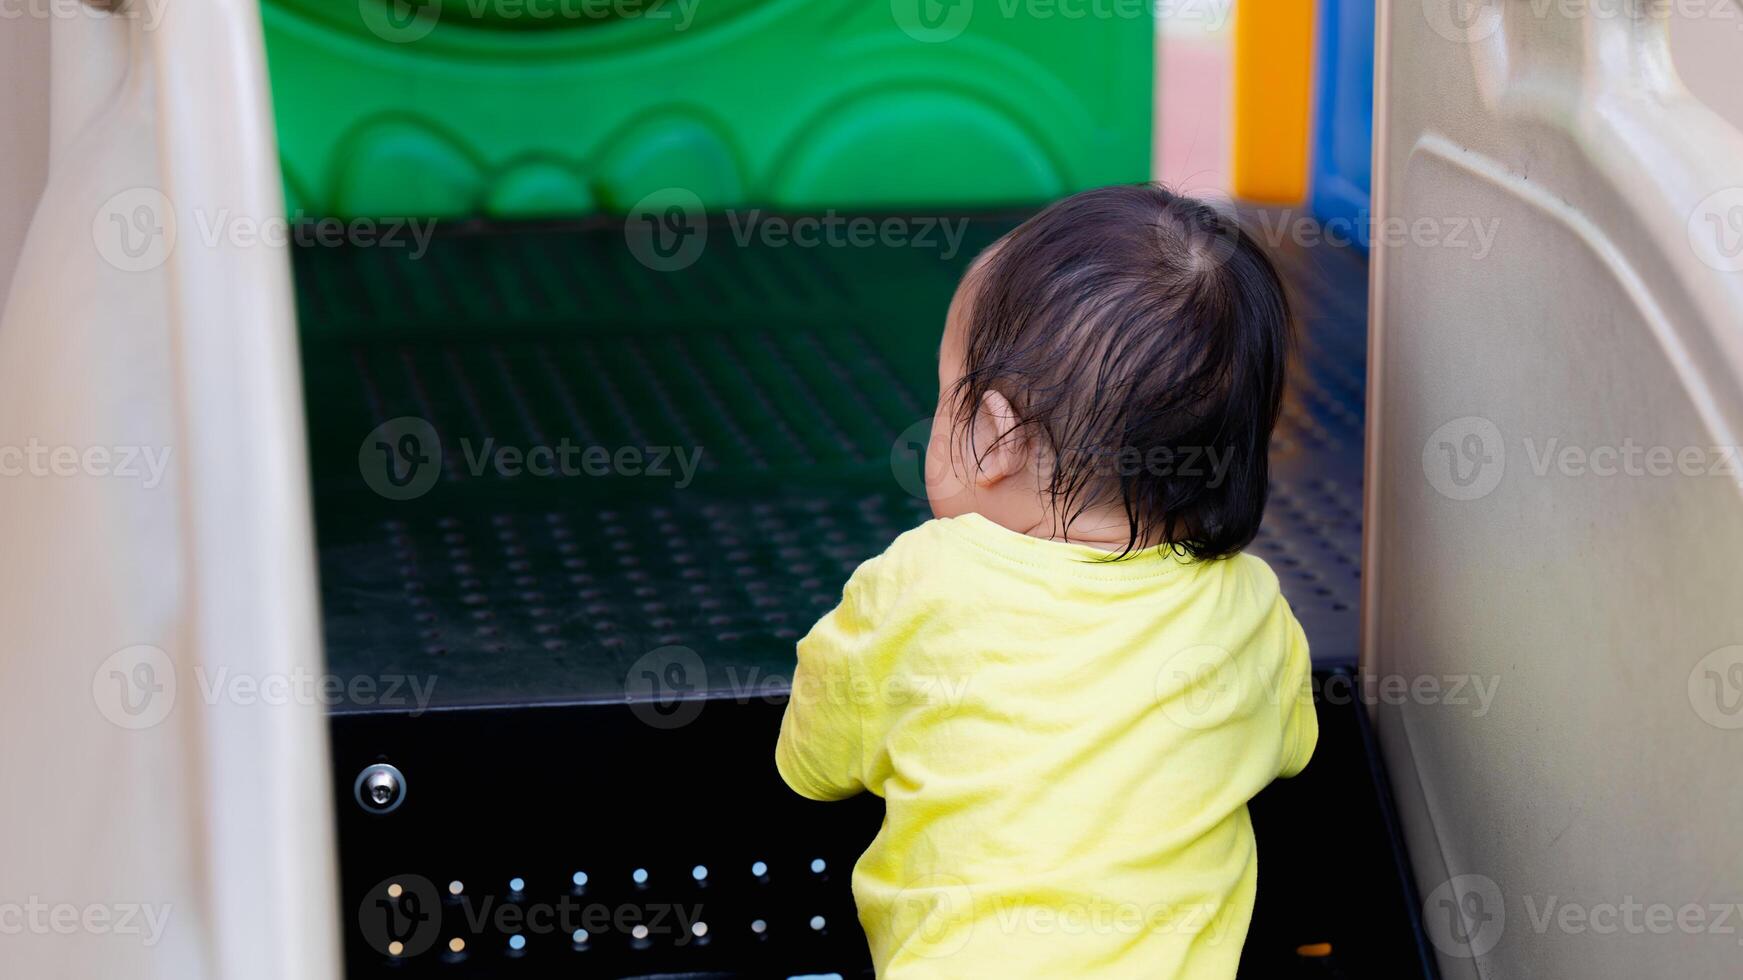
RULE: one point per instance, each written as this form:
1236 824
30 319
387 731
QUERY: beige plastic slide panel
24 125
1553 608
164 803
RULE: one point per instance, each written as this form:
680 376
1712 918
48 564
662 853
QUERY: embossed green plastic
541 108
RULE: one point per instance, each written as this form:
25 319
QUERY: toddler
1068 685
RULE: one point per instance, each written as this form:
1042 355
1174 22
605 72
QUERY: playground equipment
605 689
1343 123
545 109
1597 596
1273 86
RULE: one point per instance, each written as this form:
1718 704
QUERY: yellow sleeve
821 752
1300 720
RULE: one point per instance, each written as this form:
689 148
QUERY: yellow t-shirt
1065 747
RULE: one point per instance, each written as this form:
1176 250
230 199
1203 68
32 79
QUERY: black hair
1142 339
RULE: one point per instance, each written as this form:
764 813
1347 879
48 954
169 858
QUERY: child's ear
999 440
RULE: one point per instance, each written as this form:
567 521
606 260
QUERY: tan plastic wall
1553 505
23 133
163 814
1706 42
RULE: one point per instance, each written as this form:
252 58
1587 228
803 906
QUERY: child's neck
1104 528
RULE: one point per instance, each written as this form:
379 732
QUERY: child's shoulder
1251 568
915 552
925 552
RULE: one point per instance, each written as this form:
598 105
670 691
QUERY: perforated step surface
769 401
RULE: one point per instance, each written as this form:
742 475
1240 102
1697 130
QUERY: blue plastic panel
1343 129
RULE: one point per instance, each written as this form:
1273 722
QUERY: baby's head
1110 373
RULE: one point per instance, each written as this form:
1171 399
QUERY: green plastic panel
541 108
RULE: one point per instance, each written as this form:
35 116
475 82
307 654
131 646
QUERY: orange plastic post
1273 59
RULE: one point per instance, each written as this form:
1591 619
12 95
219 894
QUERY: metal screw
380 788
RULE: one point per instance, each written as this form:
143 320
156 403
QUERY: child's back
1066 749
1067 707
